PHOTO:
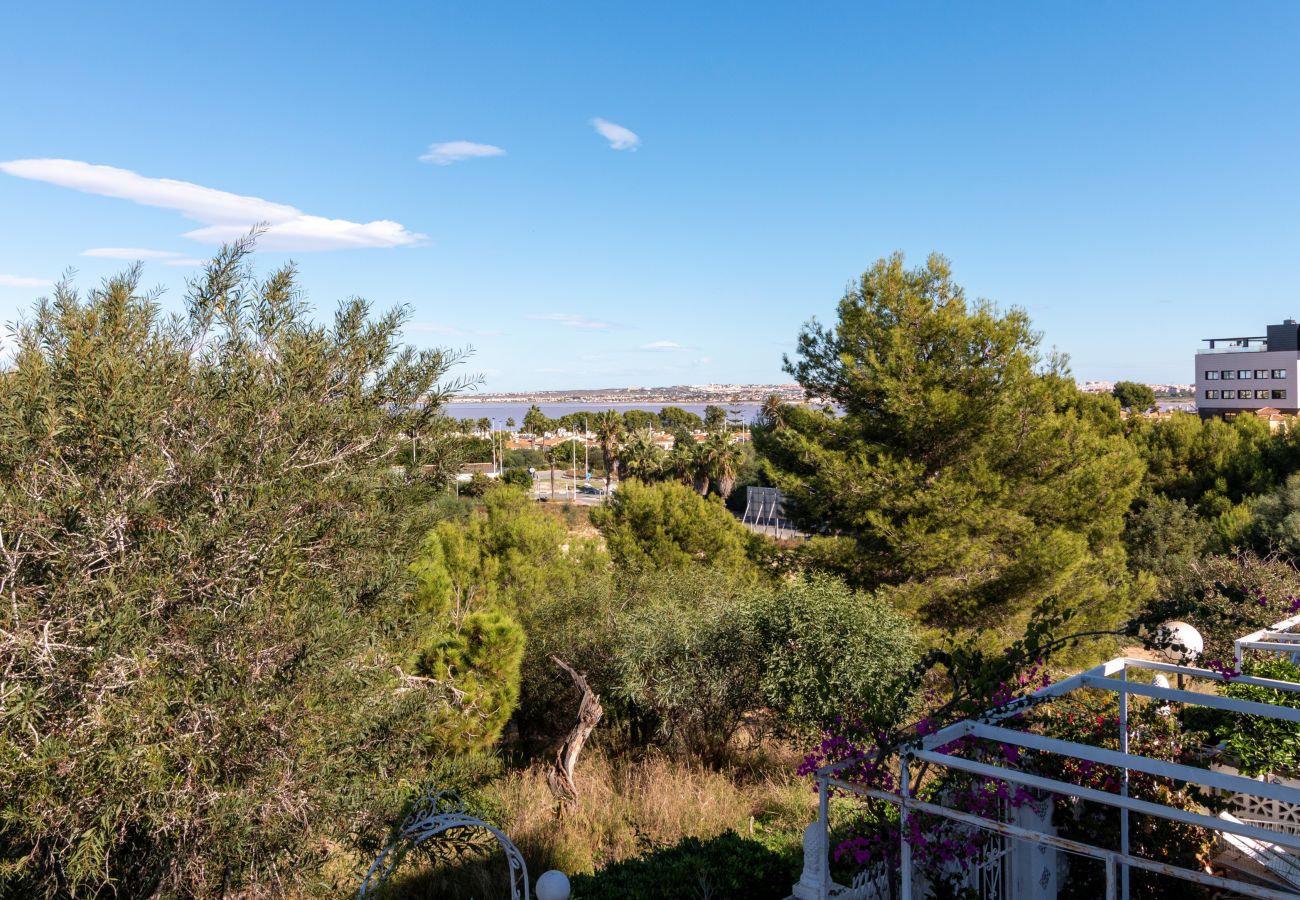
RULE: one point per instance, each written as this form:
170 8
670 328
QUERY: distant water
499 412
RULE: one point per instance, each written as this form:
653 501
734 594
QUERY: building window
1261 395
1279 395
1229 395
1211 374
1228 374
1243 373
1261 373
1211 395
1279 373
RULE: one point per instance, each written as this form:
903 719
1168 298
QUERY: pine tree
959 472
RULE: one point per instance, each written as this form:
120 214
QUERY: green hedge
728 867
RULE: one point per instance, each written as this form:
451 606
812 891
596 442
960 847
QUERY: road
587 493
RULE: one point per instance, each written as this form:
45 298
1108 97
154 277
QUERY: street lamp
1180 643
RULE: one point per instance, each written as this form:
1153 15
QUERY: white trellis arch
1263 839
434 815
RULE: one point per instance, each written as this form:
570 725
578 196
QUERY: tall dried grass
626 808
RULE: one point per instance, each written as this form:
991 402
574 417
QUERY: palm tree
609 433
719 459
641 458
687 463
773 411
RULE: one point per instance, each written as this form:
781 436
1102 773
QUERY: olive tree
204 533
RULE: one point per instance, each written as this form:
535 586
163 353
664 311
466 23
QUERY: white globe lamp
553 885
1183 644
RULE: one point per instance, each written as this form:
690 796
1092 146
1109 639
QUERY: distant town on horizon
721 393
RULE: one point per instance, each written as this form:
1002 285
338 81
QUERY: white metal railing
1110 676
1278 638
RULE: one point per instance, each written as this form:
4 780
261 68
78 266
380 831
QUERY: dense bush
1265 746
204 549
670 526
1092 718
1225 597
829 651
1275 520
518 477
727 867
689 650
1165 537
705 653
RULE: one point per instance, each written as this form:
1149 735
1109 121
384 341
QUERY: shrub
1164 537
830 652
727 867
477 664
689 651
477 486
670 526
204 551
1228 596
518 477
1265 746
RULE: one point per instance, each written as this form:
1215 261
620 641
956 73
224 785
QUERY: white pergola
1114 676
1277 638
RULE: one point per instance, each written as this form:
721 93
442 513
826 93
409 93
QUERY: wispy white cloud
131 253
665 347
166 257
225 215
20 281
571 321
450 330
619 138
454 151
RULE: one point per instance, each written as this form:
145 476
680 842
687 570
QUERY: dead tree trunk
560 776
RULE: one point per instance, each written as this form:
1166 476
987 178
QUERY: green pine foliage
1164 537
668 525
1134 395
1216 467
961 473
478 664
477 580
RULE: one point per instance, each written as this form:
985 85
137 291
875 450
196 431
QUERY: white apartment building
1245 374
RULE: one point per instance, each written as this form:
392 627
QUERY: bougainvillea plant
967 683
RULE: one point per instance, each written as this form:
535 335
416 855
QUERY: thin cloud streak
130 253
619 138
450 330
226 216
664 347
454 151
20 281
569 320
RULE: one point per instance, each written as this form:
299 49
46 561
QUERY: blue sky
1126 172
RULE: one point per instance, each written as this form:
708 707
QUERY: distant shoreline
676 394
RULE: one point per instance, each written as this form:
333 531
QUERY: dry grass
626 809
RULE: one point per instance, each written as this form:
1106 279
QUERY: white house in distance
1249 374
